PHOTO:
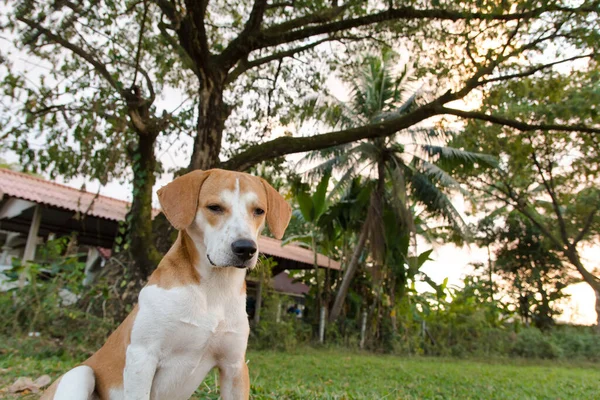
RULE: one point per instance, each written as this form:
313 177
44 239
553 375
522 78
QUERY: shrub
577 342
532 343
45 304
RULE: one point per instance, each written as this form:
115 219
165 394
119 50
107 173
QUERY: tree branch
550 190
588 224
152 97
192 32
139 48
533 70
275 35
290 145
247 65
521 206
185 56
322 16
98 66
241 46
522 126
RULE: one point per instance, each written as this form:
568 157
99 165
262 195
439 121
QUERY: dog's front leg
140 367
234 381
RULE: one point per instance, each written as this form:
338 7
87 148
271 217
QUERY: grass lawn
333 374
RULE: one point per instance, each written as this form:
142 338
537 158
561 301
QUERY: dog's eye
259 211
215 208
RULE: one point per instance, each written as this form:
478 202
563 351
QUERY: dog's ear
179 199
279 211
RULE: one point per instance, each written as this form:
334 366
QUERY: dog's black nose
243 248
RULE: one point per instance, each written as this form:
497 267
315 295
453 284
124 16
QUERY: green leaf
319 198
424 256
306 206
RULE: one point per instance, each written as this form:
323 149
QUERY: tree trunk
316 268
490 273
573 256
209 131
597 292
142 250
212 113
393 311
349 274
259 291
327 285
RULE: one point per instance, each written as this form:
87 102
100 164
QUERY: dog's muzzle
244 249
240 264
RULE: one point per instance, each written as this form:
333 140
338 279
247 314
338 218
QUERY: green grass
334 374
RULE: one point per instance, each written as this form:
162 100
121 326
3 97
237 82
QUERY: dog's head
224 212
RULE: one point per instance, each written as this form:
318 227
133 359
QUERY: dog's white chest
189 333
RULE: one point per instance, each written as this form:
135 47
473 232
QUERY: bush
577 342
45 305
532 343
270 334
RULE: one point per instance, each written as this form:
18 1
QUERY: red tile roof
38 190
293 252
282 282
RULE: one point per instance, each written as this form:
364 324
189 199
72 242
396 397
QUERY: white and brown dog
191 316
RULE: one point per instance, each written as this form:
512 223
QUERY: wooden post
93 264
258 298
322 325
34 228
363 329
279 311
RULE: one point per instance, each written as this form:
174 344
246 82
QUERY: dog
191 315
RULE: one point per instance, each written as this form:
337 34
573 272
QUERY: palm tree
406 166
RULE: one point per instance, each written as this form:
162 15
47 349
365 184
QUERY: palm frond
327 109
343 182
439 175
436 201
428 135
452 156
399 198
397 112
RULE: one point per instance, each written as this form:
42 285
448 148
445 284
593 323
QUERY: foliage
46 303
550 177
408 185
411 159
532 268
100 77
277 332
532 343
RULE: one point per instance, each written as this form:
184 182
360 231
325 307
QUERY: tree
405 170
94 104
312 207
548 175
534 272
262 59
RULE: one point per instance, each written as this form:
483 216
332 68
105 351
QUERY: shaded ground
333 374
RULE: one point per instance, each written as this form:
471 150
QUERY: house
34 210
